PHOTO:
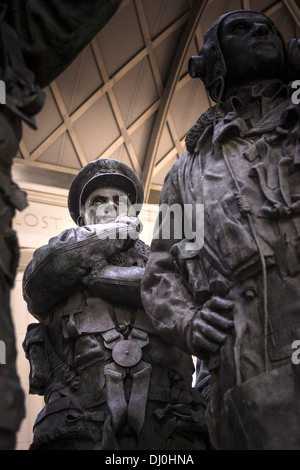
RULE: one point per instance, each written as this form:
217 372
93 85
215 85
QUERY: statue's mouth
262 42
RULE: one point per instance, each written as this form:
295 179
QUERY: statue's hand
211 327
122 228
134 224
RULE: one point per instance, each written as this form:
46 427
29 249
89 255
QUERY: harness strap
139 396
116 401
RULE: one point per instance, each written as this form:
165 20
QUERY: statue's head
242 46
100 191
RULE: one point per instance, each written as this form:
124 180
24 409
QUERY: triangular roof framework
128 95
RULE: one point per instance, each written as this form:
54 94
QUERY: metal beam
166 159
68 123
273 8
46 166
24 150
294 10
246 4
48 142
115 107
156 187
155 69
173 78
86 105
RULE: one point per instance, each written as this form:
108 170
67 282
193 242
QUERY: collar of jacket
268 100
270 90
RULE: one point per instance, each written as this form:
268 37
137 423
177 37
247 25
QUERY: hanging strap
246 212
115 396
139 396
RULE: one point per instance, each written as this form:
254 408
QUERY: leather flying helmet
210 65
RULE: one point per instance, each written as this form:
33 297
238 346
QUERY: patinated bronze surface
109 381
234 302
38 40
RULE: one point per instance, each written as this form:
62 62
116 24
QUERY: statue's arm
53 32
67 258
165 296
197 329
120 284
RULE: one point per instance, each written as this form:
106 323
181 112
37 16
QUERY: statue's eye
239 28
99 200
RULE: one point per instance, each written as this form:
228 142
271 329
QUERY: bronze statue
108 379
38 40
234 301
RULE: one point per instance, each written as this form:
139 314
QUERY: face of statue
251 48
103 205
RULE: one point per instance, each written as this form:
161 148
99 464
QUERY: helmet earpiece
196 67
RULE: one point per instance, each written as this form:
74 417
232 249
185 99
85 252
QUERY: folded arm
67 258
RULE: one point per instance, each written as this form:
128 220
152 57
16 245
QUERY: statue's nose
110 207
260 29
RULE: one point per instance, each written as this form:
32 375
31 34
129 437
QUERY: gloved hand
211 326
